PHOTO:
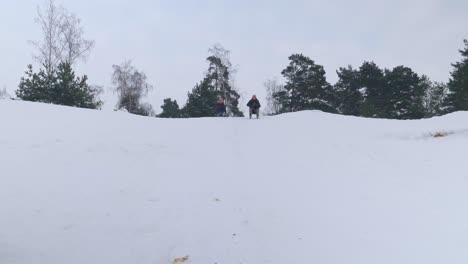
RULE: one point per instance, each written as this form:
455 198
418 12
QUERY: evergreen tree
170 109
201 101
406 94
371 79
349 91
306 86
34 87
74 91
60 86
219 77
458 85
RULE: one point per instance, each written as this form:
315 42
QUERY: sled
254 112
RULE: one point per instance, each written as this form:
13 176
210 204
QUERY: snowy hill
80 186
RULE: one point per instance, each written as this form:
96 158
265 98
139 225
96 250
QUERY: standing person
254 107
220 107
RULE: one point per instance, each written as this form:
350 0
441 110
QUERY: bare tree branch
75 46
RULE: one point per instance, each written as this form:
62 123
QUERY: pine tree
74 91
217 82
170 109
219 77
458 85
201 101
406 94
306 86
60 86
34 86
349 91
371 79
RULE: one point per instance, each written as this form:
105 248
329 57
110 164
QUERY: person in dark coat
254 107
220 107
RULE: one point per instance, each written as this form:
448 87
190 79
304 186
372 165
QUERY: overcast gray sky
169 39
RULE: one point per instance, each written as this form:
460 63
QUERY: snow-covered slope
79 186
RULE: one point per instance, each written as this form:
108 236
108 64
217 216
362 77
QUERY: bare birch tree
131 86
74 45
273 87
50 20
62 37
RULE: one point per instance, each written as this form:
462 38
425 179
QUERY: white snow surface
81 186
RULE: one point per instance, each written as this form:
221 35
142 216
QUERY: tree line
367 91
